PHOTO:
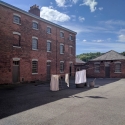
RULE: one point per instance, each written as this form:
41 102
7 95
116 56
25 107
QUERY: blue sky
100 24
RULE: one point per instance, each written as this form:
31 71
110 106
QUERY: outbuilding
109 65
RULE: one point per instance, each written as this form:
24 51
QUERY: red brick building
32 48
108 65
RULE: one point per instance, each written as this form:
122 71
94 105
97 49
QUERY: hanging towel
54 84
67 79
80 77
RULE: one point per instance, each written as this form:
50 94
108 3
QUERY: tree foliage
88 56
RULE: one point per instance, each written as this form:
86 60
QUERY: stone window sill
17 23
34 73
35 29
118 72
17 46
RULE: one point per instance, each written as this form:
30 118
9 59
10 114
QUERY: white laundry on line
54 84
80 77
67 79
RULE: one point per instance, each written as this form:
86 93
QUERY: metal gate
16 71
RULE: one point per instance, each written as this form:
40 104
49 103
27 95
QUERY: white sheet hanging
80 77
54 84
67 79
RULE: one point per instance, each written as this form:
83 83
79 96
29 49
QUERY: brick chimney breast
35 10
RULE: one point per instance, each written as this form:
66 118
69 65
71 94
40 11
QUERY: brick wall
92 74
25 53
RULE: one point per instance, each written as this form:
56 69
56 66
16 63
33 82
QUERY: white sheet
54 84
67 79
80 77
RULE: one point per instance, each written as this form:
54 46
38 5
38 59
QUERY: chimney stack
35 10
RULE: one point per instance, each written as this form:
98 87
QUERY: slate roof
111 55
34 16
79 61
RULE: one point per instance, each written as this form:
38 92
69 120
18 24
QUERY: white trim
34 49
17 46
49 26
34 59
34 37
117 62
61 44
34 21
70 46
61 31
70 62
17 33
61 61
49 61
49 41
34 73
16 59
15 14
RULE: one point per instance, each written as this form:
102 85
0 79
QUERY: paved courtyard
30 104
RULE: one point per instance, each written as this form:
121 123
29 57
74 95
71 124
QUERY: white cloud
84 40
98 41
60 3
81 19
53 15
65 3
113 22
91 3
75 1
100 8
121 38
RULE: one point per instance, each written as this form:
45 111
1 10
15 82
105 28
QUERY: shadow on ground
22 97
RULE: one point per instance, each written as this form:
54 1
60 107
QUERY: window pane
35 25
61 49
61 34
16 19
34 66
48 46
61 66
118 68
48 30
97 68
34 44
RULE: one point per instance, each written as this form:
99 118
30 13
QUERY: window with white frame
70 50
61 66
70 37
117 67
48 46
17 39
35 25
97 67
16 18
61 34
34 66
34 43
61 48
49 30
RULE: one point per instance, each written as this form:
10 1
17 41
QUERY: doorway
16 74
48 70
70 69
107 71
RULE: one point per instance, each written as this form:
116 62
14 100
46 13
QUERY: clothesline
76 71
